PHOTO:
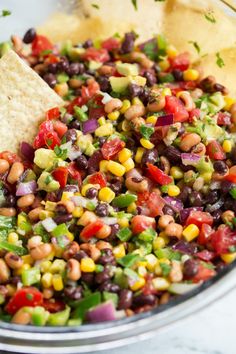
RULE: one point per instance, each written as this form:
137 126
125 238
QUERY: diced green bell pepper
60 230
124 200
39 316
74 322
129 260
124 234
30 276
87 303
20 251
59 318
80 114
232 192
147 235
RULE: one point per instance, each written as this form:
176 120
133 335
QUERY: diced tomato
100 55
91 229
203 274
176 107
11 157
61 175
159 134
77 101
111 43
52 140
158 175
223 118
206 255
87 92
181 61
232 175
199 218
53 113
74 173
140 223
215 150
26 296
98 178
96 107
151 204
205 233
111 147
40 44
44 128
53 305
222 239
195 113
51 58
60 128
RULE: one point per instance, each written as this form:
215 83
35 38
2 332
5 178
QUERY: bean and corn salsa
127 196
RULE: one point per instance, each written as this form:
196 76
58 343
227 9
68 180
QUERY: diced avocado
47 183
205 168
66 47
213 132
75 53
94 65
119 84
127 69
217 99
43 158
139 80
59 318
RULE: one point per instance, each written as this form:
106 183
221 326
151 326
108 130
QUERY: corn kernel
158 243
46 280
85 188
123 222
12 238
21 269
141 263
45 214
166 92
128 165
191 232
124 155
138 284
125 125
101 121
206 176
58 266
125 105
86 218
106 195
27 259
104 130
119 251
146 144
103 165
45 266
227 146
57 282
142 271
229 101
116 168
132 208
160 284
137 100
173 191
228 257
50 206
176 172
152 261
151 120
113 115
139 155
87 265
158 269
190 75
164 260
164 65
77 212
66 196
171 51
70 236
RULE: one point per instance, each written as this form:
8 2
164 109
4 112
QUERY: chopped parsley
96 6
146 131
5 13
46 52
61 153
150 49
48 179
196 46
209 16
135 5
219 61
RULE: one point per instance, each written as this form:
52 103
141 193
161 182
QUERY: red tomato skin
175 106
87 92
199 218
151 204
53 113
110 44
181 61
223 118
203 274
74 173
206 255
232 175
100 55
158 175
60 128
196 112
205 233
53 306
61 175
111 147
91 229
26 296
98 178
222 239
39 44
140 223
215 151
52 140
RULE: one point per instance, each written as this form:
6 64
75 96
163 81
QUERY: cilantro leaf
146 131
135 5
61 153
209 16
5 13
196 46
96 6
219 61
150 49
166 268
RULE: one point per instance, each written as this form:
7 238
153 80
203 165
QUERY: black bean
134 90
145 95
128 43
151 78
101 209
87 278
75 124
178 74
91 193
107 257
29 36
81 254
149 156
207 84
216 216
233 155
125 299
71 135
15 280
53 68
110 287
73 292
212 197
88 43
173 154
196 199
60 209
63 64
226 186
130 143
219 87
61 219
142 300
50 79
116 185
185 193
10 201
94 160
82 162
167 210
190 268
114 229
104 83
75 69
220 167
71 188
103 276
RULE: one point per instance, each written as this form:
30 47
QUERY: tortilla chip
24 99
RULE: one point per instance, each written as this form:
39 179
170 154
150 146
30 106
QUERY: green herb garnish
209 16
146 131
5 13
219 61
196 46
61 153
166 268
96 6
135 5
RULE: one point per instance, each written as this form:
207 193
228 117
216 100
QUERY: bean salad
127 196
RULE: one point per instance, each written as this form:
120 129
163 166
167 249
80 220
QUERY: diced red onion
174 203
211 208
167 119
215 185
26 188
81 201
27 151
109 220
90 126
185 247
190 159
73 153
184 214
101 313
49 224
106 97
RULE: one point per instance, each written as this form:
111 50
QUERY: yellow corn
104 130
12 238
191 232
57 282
152 261
164 260
166 91
125 125
137 100
113 115
45 214
58 266
85 188
160 283
173 191
45 266
139 155
229 101
124 155
101 121
142 271
158 243
132 208
77 212
206 176
106 194
164 65
50 206
46 280
190 75
86 218
227 146
21 269
123 222
87 265
176 172
70 236
66 196
128 164
116 168
103 165
171 51
158 269
151 120
125 105
138 284
146 144
228 257
119 251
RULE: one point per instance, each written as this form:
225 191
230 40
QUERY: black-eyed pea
15 172
4 272
25 201
4 166
187 100
113 105
176 274
174 230
157 105
188 141
135 111
8 211
165 220
22 316
48 293
227 216
73 269
104 232
101 245
34 214
41 251
34 242
13 260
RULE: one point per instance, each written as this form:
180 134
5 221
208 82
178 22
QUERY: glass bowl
90 338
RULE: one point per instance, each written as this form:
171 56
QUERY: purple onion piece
185 247
184 214
101 313
174 203
167 119
90 126
27 151
26 188
190 159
